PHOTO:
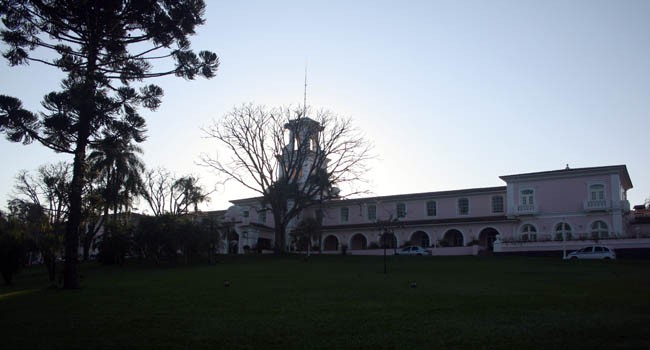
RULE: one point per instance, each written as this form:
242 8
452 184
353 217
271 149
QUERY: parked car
593 252
413 250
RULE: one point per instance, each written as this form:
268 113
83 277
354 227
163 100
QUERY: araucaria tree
103 47
292 161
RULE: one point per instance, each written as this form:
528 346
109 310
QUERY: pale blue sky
452 93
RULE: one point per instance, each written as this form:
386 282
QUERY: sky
453 94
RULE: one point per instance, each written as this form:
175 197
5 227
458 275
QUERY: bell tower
303 146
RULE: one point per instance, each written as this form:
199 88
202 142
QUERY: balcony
597 205
526 209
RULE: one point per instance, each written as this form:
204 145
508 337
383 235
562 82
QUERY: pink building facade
542 211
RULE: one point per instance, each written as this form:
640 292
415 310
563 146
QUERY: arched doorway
487 238
302 243
233 243
420 239
563 232
454 238
389 240
599 229
358 242
331 243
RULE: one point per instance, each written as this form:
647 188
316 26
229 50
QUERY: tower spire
304 103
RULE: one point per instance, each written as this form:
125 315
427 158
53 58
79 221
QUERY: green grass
334 302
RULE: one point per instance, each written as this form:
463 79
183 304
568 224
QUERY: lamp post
230 226
384 243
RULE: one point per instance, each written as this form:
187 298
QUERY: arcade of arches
451 238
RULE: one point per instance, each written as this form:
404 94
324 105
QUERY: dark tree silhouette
13 247
306 231
292 161
103 46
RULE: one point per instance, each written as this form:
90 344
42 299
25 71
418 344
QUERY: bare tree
43 199
48 188
156 185
292 161
166 193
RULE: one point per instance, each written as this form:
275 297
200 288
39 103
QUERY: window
246 213
345 214
261 216
497 204
599 230
432 209
528 233
401 210
527 197
597 192
463 206
372 212
562 231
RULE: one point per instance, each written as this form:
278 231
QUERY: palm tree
118 164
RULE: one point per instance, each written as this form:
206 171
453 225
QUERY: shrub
114 244
13 255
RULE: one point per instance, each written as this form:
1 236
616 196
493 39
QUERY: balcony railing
526 209
601 204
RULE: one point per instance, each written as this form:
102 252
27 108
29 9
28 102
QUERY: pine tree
104 46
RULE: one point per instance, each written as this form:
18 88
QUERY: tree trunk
280 244
86 114
70 273
50 262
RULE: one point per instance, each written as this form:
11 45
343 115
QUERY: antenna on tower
304 103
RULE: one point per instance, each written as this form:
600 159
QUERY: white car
593 252
413 250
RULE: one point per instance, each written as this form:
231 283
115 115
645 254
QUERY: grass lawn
335 302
